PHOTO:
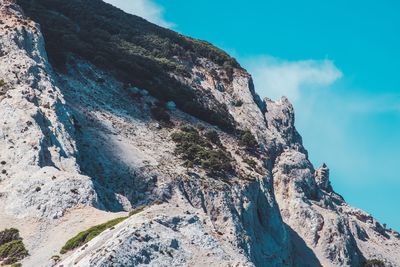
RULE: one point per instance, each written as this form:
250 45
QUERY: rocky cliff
165 136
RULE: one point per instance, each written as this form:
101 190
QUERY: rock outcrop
80 145
40 175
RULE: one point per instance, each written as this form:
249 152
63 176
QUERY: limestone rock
322 178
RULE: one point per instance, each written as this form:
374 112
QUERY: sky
338 62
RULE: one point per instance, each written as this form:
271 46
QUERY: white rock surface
39 171
156 238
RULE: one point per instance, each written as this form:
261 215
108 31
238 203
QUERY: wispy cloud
275 77
146 9
382 103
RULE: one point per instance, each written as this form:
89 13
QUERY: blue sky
337 61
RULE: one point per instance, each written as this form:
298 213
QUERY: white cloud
146 9
379 103
275 77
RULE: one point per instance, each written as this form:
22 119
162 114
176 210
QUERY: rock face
37 150
80 142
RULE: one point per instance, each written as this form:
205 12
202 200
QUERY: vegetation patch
159 113
2 83
87 235
135 51
9 235
248 140
251 162
213 137
374 263
237 103
202 149
12 249
55 258
136 211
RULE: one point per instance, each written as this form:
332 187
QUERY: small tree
248 140
213 137
159 113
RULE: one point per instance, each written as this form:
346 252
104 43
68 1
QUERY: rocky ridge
80 141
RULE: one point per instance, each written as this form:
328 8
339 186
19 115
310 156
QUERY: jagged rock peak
280 120
322 178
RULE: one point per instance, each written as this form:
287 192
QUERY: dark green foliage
237 103
136 211
56 258
251 163
8 235
159 113
217 162
2 83
197 149
228 67
188 128
374 263
135 51
248 140
12 249
219 115
87 235
213 137
200 126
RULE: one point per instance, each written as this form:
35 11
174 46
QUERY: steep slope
82 144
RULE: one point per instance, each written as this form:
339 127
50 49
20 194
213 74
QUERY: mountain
126 144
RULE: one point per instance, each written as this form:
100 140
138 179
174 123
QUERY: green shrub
187 137
136 211
237 103
56 258
217 162
188 128
160 114
87 235
374 263
9 235
248 140
13 251
2 83
213 137
199 150
251 163
200 127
